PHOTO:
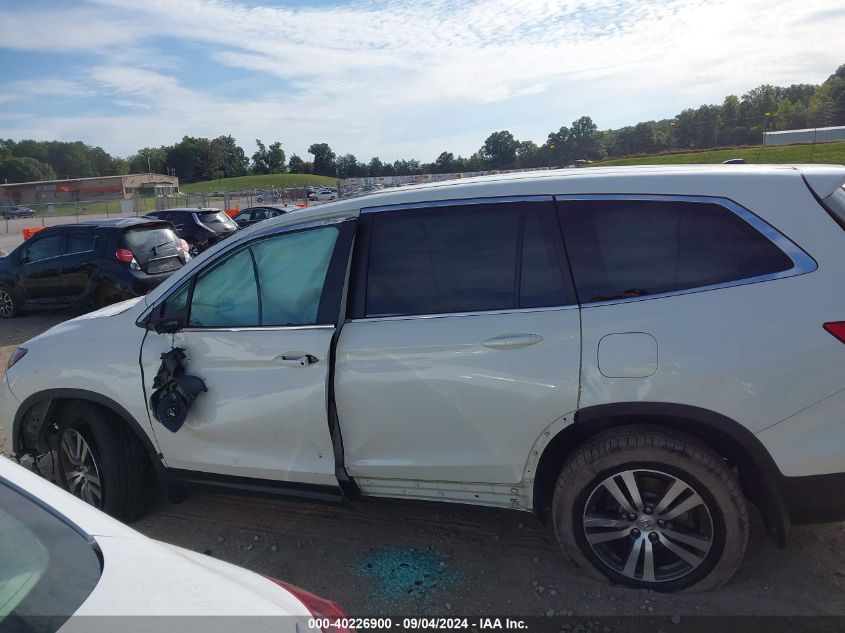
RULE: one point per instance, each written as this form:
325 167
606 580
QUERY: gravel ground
382 557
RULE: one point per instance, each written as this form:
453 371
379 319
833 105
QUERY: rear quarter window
630 248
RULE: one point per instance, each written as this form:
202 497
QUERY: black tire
119 457
10 303
193 248
584 511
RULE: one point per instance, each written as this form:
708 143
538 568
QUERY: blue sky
391 78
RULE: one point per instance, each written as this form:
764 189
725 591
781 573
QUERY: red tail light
125 255
319 607
836 328
183 245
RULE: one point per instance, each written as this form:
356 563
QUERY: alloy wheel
193 249
7 304
648 526
80 469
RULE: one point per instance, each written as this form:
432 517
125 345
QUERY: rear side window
466 258
79 242
630 248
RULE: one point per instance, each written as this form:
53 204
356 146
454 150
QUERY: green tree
586 139
528 155
157 160
276 159
234 161
260 159
499 150
323 159
445 163
346 166
376 167
25 169
296 165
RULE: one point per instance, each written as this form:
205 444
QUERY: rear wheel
10 305
193 248
651 508
100 462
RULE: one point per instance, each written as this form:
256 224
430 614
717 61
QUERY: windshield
212 218
47 567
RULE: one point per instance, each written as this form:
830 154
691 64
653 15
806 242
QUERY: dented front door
264 359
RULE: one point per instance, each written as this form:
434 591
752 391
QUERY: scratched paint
407 573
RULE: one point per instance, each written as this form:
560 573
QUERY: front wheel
651 508
100 461
10 305
193 249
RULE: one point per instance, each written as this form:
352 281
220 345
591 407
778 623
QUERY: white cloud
400 78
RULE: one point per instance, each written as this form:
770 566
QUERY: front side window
276 281
631 248
466 258
44 248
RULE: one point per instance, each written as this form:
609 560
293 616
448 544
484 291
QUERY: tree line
737 121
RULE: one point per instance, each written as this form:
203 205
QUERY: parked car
95 262
18 212
322 195
200 228
251 215
64 561
636 352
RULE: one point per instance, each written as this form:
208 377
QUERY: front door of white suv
260 320
462 350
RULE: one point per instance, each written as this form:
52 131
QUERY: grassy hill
269 181
833 153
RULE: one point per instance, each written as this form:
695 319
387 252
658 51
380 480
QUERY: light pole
149 169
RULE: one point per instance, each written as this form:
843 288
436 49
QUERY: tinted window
80 242
44 247
215 219
462 259
227 295
291 271
47 568
621 248
541 275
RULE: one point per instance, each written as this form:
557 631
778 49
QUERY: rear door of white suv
461 349
259 321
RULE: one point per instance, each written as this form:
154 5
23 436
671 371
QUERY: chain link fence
15 218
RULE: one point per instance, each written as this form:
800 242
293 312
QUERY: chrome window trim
459 202
258 328
802 262
441 315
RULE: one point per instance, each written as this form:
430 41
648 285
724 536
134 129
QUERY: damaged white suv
637 350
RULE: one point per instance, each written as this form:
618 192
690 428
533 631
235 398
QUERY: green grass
832 153
269 181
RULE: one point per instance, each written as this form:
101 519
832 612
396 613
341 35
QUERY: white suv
637 350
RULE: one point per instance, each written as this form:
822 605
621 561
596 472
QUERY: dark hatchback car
200 228
250 216
91 263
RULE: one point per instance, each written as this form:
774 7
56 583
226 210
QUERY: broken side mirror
162 323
